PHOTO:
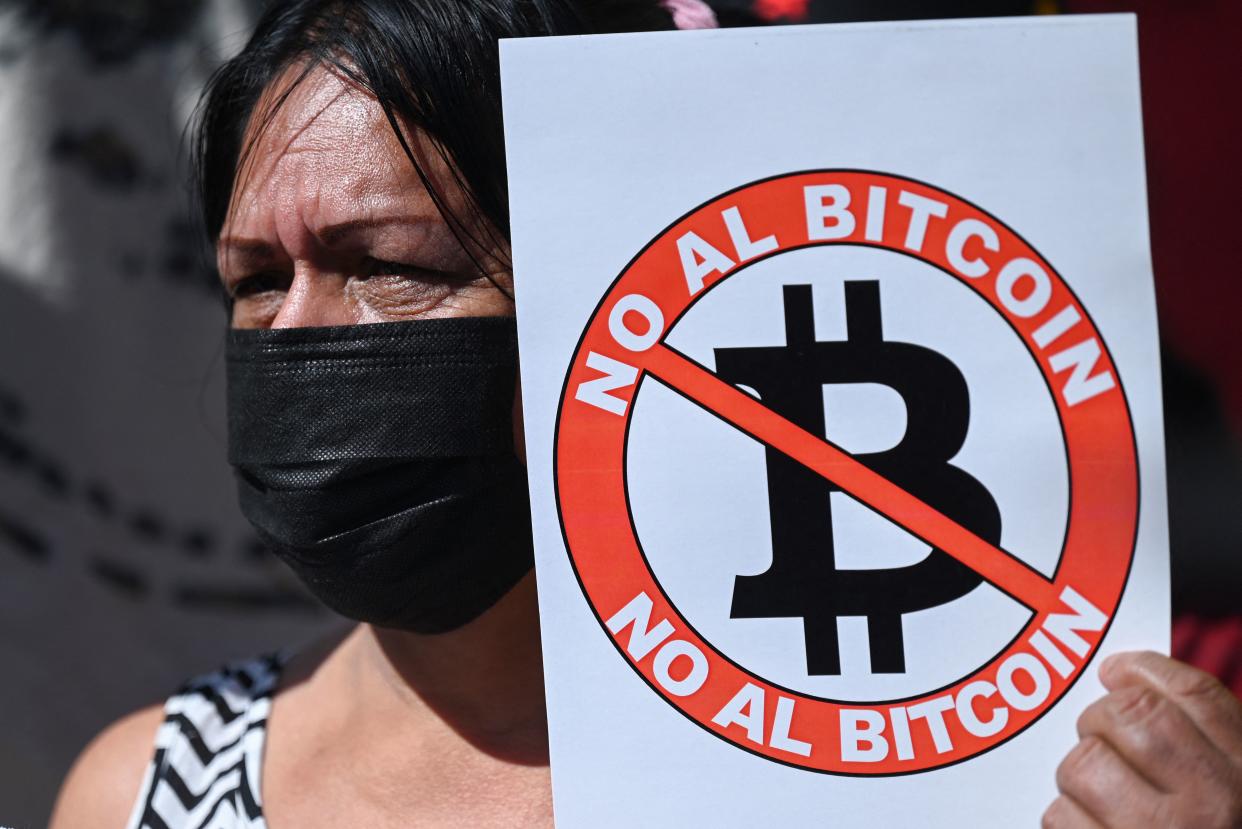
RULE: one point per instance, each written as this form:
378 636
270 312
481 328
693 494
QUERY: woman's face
332 225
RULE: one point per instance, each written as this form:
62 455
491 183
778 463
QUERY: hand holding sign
1163 748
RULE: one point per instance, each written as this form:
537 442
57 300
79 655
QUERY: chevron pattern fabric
209 751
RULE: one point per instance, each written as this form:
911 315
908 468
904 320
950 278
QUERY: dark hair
432 64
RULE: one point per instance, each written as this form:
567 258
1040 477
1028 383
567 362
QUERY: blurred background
125 567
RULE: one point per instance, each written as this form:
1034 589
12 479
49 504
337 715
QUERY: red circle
595 520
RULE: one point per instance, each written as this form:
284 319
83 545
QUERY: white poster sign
842 411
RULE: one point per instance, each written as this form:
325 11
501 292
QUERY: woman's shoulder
104 781
207 717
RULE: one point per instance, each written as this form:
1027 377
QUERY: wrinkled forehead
321 147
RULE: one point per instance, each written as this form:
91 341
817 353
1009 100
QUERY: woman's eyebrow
244 254
340 232
251 252
249 248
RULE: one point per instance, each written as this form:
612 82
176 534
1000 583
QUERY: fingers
1214 710
1155 738
1101 784
1171 727
1064 813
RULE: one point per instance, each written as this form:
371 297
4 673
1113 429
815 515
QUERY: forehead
327 154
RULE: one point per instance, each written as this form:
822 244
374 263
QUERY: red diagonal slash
882 495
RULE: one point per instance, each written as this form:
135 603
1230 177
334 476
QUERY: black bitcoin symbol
803 580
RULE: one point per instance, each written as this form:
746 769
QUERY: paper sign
842 411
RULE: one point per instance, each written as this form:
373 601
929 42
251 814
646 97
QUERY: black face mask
377 461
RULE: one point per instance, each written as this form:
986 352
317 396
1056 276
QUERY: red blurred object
782 9
1191 65
1192 111
1213 645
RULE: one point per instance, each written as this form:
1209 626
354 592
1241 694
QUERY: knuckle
1075 770
1195 684
1142 715
1054 815
1091 715
1136 704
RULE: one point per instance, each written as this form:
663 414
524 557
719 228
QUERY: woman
352 176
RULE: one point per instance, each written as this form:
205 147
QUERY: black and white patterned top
209 751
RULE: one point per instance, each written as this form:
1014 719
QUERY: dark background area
124 567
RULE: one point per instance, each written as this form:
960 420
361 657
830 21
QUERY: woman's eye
380 267
259 283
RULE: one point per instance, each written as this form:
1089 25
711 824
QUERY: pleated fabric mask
377 461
